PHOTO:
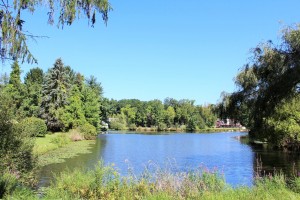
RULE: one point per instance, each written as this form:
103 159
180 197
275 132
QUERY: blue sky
163 48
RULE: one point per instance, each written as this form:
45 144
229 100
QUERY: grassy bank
54 148
105 183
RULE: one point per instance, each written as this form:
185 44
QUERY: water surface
179 152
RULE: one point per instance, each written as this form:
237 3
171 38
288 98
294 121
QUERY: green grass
104 182
68 151
45 144
56 147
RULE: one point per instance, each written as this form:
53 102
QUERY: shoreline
171 130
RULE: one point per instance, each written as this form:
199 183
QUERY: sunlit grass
56 147
104 182
45 144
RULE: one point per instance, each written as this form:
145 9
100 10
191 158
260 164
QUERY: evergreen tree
54 95
95 85
4 79
33 96
15 88
72 115
91 106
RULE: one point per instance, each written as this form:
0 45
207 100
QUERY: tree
13 40
271 79
33 92
155 113
15 148
15 88
95 85
4 79
91 106
72 114
169 116
54 95
130 114
207 115
284 125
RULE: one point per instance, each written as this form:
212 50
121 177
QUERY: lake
133 152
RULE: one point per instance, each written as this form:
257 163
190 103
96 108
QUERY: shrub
115 125
8 183
61 140
162 126
33 126
132 127
89 131
75 135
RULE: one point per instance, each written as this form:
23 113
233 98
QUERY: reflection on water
275 161
179 152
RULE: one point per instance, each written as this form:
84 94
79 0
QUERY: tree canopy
268 87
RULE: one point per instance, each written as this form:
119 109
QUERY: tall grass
104 182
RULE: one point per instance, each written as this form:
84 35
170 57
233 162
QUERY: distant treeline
171 114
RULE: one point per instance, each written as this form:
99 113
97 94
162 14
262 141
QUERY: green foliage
118 122
32 127
72 115
283 126
162 126
116 125
15 75
95 86
91 106
54 95
15 148
169 116
33 93
266 88
14 38
34 76
61 140
8 183
192 124
154 113
132 127
104 182
15 89
89 131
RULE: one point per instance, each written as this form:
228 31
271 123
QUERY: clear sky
155 49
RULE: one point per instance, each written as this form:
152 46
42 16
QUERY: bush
8 183
75 135
115 125
16 158
89 131
132 127
162 126
33 126
61 140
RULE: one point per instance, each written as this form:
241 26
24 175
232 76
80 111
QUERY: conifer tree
54 95
33 92
72 115
91 106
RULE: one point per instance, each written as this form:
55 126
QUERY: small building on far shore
227 123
